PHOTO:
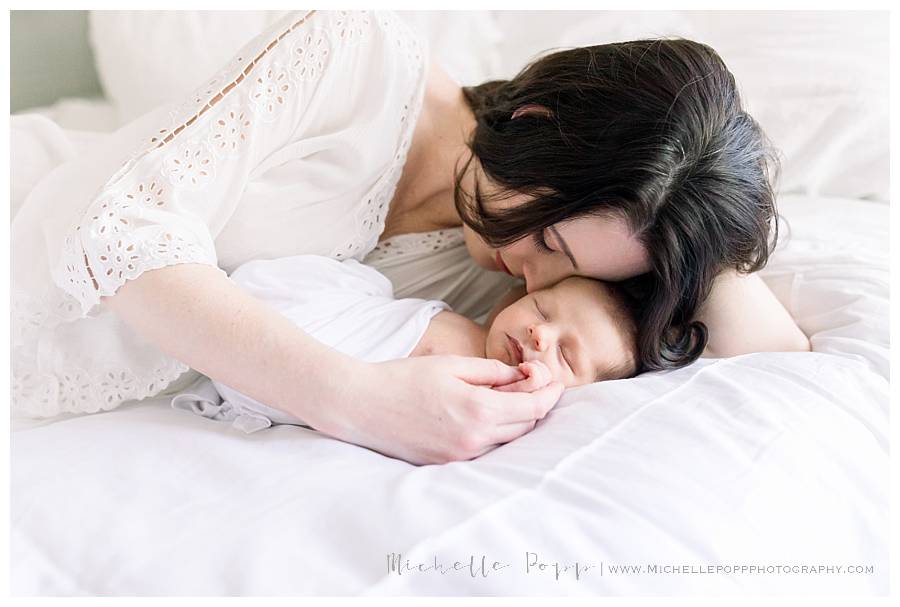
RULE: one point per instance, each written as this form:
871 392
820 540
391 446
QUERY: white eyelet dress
437 265
294 147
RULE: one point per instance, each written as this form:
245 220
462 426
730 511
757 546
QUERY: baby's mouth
516 349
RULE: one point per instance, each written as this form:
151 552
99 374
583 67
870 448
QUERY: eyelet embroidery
120 258
228 133
76 392
110 218
271 91
41 392
190 164
371 216
351 27
309 56
150 194
26 318
418 243
174 248
116 387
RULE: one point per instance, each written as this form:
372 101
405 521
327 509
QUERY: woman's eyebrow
565 247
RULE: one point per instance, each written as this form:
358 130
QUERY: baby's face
569 327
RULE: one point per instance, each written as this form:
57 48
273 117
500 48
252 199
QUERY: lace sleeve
187 176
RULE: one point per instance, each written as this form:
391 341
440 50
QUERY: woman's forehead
604 247
601 244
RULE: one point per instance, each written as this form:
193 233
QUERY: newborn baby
576 332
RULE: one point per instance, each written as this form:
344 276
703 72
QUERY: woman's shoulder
318 37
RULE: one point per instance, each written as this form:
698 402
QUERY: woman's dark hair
652 131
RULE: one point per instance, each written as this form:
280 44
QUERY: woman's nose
540 276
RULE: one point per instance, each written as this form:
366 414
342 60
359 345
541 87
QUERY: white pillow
816 81
464 43
147 58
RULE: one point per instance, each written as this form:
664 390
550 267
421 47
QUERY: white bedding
766 459
762 460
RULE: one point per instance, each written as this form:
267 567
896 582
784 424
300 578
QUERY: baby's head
580 328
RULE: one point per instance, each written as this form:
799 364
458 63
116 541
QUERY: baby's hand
537 375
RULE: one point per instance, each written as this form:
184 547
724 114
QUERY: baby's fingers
537 371
537 376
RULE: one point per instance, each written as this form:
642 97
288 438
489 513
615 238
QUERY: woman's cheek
478 250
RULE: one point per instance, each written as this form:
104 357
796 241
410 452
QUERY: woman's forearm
432 409
196 314
743 315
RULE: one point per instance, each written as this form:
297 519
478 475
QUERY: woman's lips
516 349
500 263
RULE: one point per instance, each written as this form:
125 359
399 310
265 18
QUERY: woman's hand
436 409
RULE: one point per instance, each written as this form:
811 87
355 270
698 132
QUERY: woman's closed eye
541 243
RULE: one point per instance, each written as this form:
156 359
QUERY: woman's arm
743 316
425 410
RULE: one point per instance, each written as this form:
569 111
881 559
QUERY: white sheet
766 459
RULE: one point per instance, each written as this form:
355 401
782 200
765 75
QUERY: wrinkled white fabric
344 304
282 152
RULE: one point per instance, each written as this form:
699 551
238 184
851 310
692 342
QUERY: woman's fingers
504 434
524 385
509 432
519 407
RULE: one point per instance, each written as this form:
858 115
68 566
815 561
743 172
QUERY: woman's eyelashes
541 243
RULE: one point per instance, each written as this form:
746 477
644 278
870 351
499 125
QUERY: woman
328 134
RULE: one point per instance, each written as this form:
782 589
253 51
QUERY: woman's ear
532 108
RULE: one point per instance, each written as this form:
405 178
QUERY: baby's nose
539 337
